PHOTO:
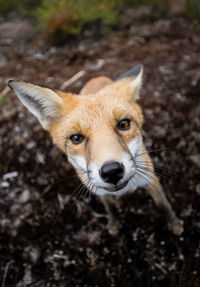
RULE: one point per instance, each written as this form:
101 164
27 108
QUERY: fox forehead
91 113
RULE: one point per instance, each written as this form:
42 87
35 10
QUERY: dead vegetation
50 234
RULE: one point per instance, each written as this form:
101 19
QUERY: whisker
80 192
141 179
59 212
89 190
82 170
81 187
155 150
75 190
153 186
169 171
142 173
84 193
151 171
81 204
145 180
60 181
149 177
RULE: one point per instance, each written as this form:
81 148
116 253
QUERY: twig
6 272
161 268
73 79
60 201
4 92
38 283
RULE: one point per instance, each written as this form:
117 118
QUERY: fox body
100 131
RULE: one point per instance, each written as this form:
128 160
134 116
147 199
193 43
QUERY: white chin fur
101 191
132 185
135 148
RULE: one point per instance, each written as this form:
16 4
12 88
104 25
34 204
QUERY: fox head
99 130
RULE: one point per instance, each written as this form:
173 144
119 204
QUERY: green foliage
2 100
60 18
21 6
70 16
193 8
138 2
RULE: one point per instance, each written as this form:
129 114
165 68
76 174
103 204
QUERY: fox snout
112 172
115 173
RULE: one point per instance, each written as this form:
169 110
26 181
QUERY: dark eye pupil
124 124
77 138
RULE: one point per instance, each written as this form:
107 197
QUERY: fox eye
77 138
124 124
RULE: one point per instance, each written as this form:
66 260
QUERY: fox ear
132 81
41 102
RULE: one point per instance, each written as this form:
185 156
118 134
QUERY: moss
192 8
22 6
2 100
69 17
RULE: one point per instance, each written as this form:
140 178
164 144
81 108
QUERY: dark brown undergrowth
50 234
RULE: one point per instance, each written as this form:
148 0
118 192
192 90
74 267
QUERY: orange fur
95 114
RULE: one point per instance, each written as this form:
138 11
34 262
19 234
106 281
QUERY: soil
51 233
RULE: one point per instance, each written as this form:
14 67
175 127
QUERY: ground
51 234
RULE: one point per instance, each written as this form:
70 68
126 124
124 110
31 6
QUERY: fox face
100 131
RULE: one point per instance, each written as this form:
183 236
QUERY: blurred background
52 231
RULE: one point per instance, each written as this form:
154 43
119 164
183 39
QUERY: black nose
112 172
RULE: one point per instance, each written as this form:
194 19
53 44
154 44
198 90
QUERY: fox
100 131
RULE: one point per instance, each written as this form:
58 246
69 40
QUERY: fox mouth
116 187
